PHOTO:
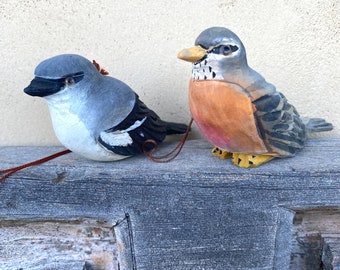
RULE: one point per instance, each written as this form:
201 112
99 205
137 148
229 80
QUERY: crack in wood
126 247
315 239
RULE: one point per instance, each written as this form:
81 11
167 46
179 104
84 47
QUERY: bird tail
316 125
175 128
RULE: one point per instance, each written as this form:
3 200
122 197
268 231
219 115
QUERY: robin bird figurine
236 109
96 116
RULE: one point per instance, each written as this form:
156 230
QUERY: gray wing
109 102
279 123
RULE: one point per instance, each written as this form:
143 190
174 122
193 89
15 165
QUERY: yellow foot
222 154
250 161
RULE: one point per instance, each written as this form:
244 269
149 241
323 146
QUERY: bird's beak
193 54
42 87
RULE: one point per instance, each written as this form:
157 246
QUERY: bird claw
241 160
220 153
250 161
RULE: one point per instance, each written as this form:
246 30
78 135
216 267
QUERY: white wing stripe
120 137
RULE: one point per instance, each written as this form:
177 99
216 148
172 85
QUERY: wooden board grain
315 232
331 252
57 244
197 212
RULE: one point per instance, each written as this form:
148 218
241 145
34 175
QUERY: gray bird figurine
236 109
96 116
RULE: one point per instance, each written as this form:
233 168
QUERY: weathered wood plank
197 212
57 245
331 252
310 231
125 244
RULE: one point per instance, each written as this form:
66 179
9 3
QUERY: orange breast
225 115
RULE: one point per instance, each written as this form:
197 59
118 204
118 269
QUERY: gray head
216 36
54 74
217 49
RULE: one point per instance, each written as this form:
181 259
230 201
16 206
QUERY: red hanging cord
10 171
150 154
160 159
172 154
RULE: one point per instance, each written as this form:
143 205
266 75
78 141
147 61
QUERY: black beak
41 87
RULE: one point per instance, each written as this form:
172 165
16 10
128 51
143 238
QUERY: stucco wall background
293 44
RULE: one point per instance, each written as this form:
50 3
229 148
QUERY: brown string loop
160 159
169 156
10 171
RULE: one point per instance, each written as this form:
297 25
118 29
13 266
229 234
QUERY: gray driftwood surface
197 212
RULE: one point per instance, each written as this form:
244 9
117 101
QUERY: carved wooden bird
236 109
96 116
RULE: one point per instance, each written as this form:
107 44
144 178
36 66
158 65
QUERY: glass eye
69 81
225 50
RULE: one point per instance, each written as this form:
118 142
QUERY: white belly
74 135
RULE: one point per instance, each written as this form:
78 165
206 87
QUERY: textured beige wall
294 44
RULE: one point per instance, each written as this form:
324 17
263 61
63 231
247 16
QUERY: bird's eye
69 81
225 50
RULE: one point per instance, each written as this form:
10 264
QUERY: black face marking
70 79
224 49
44 87
77 77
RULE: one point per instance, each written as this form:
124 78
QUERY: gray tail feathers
175 128
317 125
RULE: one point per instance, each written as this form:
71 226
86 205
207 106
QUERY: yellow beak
192 54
